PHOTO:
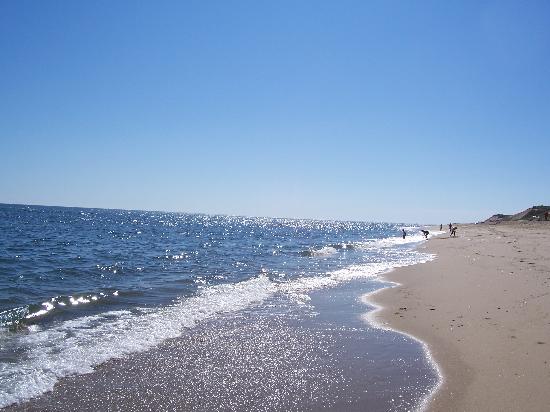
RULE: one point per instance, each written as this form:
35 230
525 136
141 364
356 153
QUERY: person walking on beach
404 233
453 231
425 233
546 215
441 227
450 227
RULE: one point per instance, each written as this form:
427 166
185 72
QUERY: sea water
80 287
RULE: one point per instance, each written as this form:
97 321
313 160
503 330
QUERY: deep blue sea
79 287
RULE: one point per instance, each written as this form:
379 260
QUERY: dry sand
483 308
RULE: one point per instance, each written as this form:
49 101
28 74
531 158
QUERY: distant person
404 233
453 231
450 227
441 227
425 233
546 215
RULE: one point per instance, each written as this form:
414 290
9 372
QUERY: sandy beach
483 308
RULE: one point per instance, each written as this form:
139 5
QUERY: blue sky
369 110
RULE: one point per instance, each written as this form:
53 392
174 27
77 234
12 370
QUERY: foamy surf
77 346
410 240
324 251
364 271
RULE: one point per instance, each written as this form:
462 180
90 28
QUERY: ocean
220 312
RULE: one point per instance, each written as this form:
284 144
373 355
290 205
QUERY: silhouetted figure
450 227
453 231
404 233
425 233
441 228
546 215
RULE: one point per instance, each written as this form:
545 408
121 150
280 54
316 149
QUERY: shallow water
277 356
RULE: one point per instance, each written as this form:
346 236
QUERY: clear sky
417 111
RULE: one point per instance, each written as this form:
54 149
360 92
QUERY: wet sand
483 308
283 355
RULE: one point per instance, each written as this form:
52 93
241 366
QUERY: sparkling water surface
70 262
79 287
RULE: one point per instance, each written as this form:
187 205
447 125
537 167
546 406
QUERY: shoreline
306 358
480 310
371 317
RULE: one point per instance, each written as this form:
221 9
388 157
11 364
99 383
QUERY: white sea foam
324 251
77 346
410 239
368 270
